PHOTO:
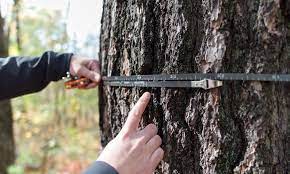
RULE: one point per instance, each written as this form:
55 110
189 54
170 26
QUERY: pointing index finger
135 114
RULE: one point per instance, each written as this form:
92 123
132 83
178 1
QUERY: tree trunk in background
7 147
242 127
16 13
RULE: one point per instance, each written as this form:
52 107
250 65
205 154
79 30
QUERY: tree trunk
17 14
242 127
6 121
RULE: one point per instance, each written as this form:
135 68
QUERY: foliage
56 130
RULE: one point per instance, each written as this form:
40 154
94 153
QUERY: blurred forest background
56 131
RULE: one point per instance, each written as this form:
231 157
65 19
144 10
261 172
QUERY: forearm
22 75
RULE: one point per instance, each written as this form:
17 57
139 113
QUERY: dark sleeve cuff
100 167
58 65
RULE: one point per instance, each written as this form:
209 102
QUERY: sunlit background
80 20
56 131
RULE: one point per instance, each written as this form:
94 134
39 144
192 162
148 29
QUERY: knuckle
158 140
160 152
140 142
133 113
143 140
152 128
142 136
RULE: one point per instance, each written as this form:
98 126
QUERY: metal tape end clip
206 84
210 84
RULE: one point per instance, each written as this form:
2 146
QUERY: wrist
71 70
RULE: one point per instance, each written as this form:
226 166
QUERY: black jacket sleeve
100 167
23 75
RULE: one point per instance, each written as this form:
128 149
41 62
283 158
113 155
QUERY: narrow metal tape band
204 84
199 76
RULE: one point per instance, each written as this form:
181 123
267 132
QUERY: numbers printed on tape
193 80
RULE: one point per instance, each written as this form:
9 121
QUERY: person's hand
135 151
86 67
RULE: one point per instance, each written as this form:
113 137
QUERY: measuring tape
192 80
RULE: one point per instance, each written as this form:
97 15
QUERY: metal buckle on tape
206 84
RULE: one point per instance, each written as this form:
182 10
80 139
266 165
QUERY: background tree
239 128
6 119
16 16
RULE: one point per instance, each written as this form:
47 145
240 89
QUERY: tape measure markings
199 76
194 80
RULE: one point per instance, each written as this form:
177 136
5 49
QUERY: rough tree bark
6 120
242 127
